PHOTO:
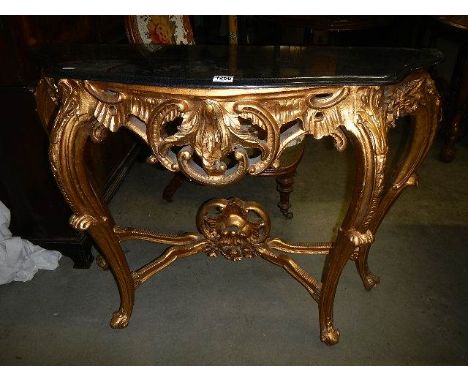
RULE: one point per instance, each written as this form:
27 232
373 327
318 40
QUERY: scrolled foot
370 280
102 263
330 335
119 319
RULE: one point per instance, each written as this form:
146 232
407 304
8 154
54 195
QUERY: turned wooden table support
236 229
285 185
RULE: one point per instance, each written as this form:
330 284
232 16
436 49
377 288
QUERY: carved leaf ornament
210 144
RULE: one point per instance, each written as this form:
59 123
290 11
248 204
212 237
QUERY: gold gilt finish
211 146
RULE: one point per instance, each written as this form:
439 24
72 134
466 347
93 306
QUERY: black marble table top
250 66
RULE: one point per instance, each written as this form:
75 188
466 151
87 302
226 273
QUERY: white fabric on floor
19 258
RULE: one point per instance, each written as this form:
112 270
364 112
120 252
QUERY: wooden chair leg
448 151
455 107
177 180
285 185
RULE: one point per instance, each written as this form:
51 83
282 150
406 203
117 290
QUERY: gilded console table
353 95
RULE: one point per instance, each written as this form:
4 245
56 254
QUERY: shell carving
212 140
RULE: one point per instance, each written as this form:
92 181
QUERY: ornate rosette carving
233 228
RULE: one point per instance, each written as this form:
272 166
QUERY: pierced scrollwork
320 110
209 144
211 131
270 146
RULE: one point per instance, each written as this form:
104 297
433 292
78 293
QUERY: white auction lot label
223 78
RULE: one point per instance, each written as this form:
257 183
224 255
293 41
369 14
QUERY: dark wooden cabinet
39 212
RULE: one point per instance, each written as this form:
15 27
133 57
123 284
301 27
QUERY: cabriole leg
368 136
425 122
68 140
